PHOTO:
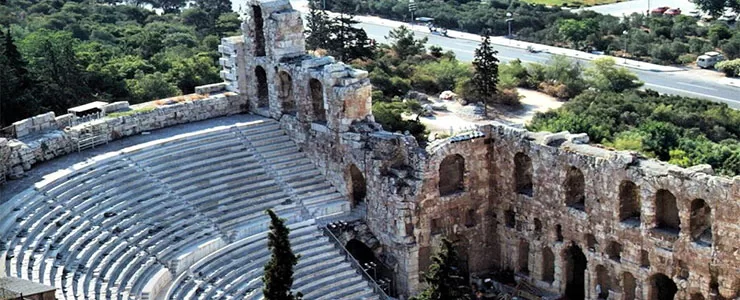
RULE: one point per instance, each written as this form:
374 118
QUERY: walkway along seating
124 224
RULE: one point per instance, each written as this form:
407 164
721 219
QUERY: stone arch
575 186
661 287
575 272
629 202
614 251
523 174
259 31
316 91
701 222
285 93
666 212
451 175
548 265
263 94
603 282
357 184
629 285
523 260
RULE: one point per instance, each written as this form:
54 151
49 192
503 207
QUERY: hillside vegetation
65 53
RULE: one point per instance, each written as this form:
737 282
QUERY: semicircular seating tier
129 224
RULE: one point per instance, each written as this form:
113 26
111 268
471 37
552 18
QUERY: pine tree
349 42
278 276
443 279
486 71
318 26
17 84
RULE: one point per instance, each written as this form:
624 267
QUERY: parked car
672 12
659 10
728 17
709 59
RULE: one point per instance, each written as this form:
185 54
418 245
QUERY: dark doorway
575 273
359 189
379 271
317 100
451 175
285 93
263 99
662 288
259 35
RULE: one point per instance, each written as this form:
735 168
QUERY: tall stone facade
562 214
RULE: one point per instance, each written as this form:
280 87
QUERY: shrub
557 90
686 59
731 68
508 97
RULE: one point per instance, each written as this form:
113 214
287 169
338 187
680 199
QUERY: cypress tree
317 27
444 281
278 276
486 71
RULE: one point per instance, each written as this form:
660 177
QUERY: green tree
576 31
717 7
349 42
149 87
660 138
404 43
485 77
604 75
318 26
278 277
16 86
443 278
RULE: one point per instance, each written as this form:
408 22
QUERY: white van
709 59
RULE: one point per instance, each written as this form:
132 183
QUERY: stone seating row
234 272
103 228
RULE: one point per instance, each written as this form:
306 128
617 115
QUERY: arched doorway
263 99
523 174
575 272
358 185
666 212
548 265
317 100
662 287
451 175
575 185
701 222
259 25
285 93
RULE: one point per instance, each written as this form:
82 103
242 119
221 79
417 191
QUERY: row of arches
286 96
630 206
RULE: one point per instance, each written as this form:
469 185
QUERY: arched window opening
470 219
259 25
358 184
285 93
263 99
317 100
701 222
537 225
523 257
629 203
548 265
644 259
662 287
615 251
697 296
575 185
603 285
559 233
510 218
436 226
666 213
629 284
523 174
451 175
575 273
591 242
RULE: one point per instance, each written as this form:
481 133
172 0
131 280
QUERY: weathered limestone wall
20 155
516 225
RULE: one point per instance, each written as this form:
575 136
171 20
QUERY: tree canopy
278 277
444 280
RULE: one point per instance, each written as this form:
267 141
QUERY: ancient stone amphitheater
165 200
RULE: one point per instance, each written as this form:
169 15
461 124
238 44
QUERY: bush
731 68
508 97
557 90
686 59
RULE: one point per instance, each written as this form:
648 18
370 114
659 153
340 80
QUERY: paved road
679 83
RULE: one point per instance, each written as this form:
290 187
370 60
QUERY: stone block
317 62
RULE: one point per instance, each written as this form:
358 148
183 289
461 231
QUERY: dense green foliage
82 51
658 39
339 35
444 279
683 131
278 277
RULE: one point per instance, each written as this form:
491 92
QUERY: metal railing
356 264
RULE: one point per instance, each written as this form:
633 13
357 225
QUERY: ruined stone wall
22 154
524 229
